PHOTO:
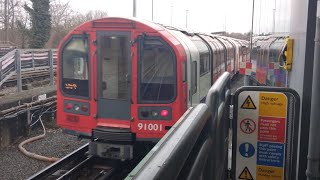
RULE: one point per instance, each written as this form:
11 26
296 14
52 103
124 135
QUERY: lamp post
274 17
246 77
6 20
187 18
152 10
251 34
134 8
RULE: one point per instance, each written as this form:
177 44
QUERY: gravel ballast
15 165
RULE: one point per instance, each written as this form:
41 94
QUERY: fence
23 60
196 147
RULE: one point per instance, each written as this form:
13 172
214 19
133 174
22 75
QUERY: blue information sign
270 154
246 150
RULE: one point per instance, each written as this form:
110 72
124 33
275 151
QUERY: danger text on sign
271 129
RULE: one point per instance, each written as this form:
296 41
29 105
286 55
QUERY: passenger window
204 55
194 77
204 64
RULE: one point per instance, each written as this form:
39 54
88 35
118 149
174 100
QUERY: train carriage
268 58
125 80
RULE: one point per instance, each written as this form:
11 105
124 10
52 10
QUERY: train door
194 75
114 75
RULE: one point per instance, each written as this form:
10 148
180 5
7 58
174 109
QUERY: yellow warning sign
248 104
245 174
268 173
273 104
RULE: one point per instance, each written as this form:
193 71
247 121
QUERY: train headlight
155 113
76 107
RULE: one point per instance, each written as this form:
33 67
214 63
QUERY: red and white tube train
124 80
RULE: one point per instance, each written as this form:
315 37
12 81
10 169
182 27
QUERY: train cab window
272 55
75 67
157 72
265 57
254 53
222 58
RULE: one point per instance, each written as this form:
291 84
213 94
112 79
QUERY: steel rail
50 170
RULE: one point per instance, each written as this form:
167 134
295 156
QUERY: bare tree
8 12
79 18
15 22
64 19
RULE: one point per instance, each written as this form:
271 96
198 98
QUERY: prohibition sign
247 126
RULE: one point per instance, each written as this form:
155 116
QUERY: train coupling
111 151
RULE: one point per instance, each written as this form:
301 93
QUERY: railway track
79 165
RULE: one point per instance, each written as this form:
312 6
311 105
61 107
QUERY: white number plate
150 127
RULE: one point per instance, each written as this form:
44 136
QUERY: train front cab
268 55
119 81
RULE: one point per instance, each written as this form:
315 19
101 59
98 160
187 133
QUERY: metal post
51 67
134 8
6 20
302 71
313 170
274 18
260 18
246 77
187 18
18 70
251 34
274 21
33 66
152 10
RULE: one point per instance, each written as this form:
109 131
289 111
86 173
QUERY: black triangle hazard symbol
245 174
248 104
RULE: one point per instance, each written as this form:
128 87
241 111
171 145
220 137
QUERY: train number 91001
150 127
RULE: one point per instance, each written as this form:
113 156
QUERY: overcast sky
203 15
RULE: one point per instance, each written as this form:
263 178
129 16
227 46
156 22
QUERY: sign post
265 133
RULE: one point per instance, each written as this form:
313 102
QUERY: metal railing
196 147
22 60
